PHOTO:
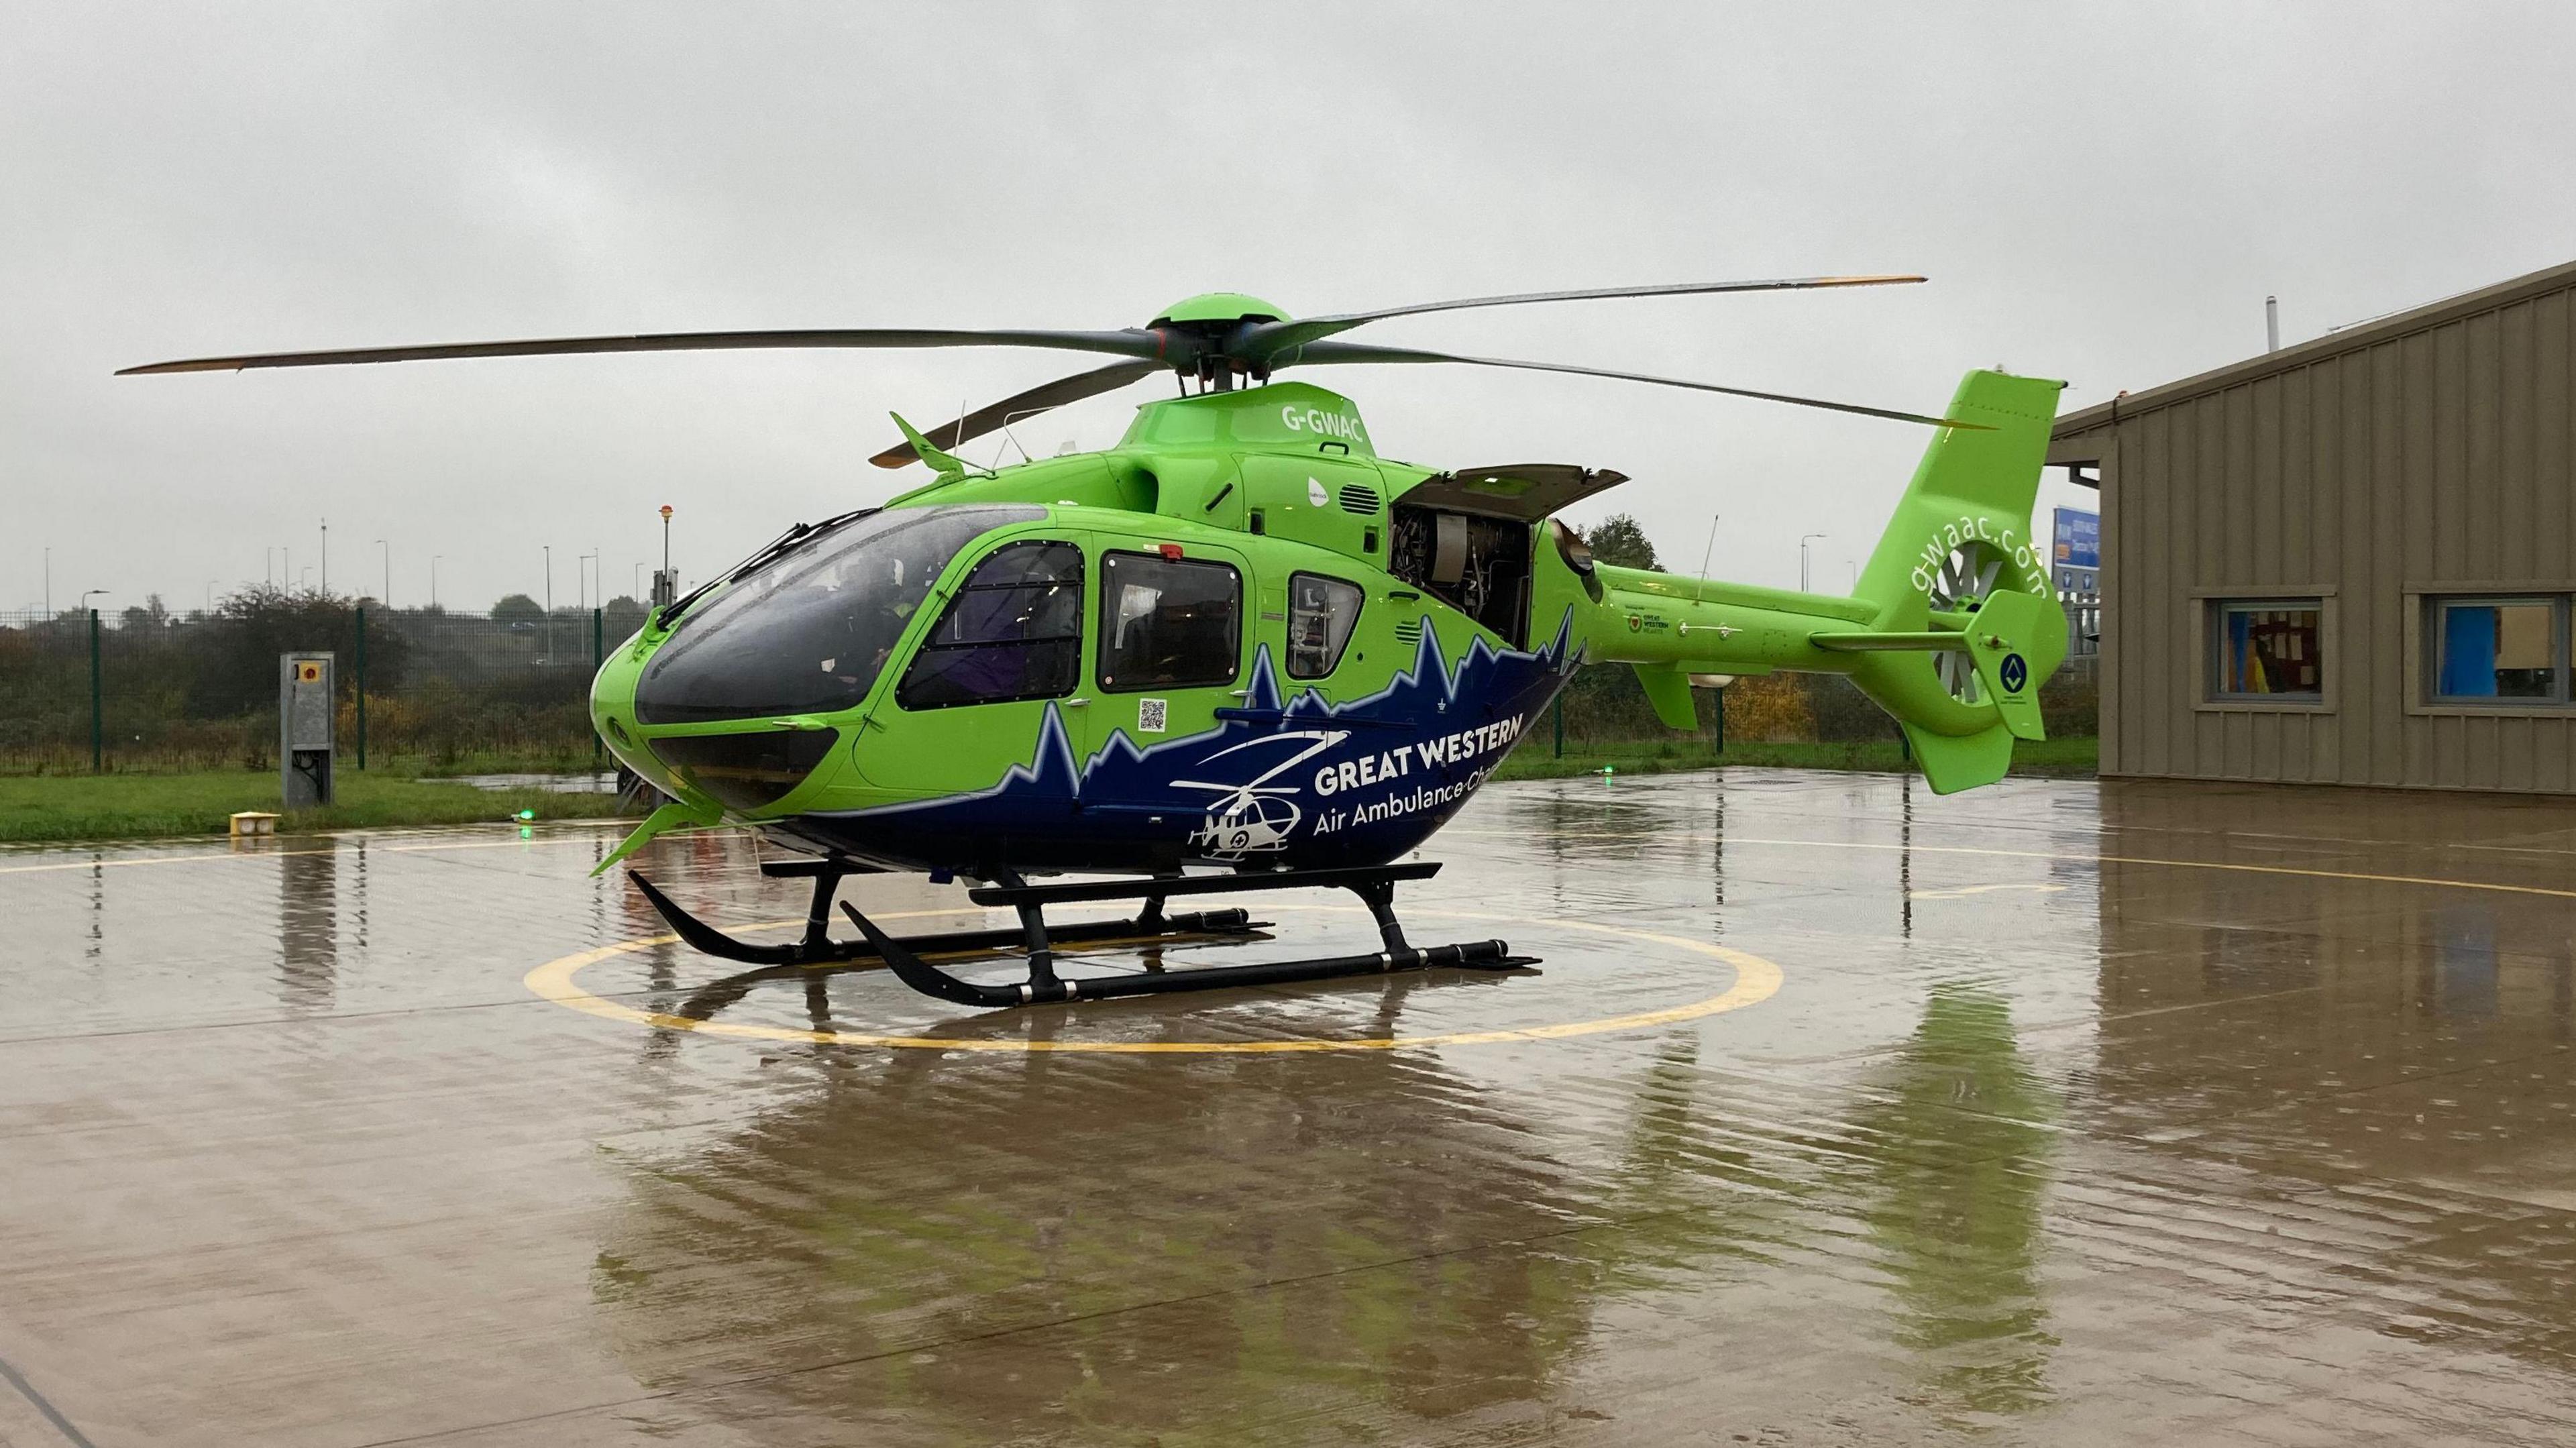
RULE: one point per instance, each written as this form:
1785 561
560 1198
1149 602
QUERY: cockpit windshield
809 632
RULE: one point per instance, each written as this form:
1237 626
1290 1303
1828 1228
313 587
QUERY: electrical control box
307 710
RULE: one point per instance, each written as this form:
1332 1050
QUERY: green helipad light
524 816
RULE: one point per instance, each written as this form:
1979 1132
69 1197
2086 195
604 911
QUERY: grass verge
2055 758
148 806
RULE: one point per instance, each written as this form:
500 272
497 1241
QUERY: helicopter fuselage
1239 638
1190 648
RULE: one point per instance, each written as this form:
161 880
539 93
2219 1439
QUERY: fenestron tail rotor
1216 339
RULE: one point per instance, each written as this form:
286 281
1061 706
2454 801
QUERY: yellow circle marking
1756 980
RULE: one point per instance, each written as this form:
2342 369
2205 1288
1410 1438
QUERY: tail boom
1959 573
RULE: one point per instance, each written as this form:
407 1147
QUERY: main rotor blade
1027 404
1131 342
1269 338
1339 352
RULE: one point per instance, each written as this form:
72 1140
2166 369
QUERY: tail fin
1960 545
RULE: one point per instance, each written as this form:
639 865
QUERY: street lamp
388 599
93 593
326 555
666 559
1802 559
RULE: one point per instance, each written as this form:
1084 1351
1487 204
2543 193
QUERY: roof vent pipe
2271 324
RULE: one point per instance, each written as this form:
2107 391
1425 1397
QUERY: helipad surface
2047 1114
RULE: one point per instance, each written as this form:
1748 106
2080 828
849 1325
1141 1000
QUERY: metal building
2348 561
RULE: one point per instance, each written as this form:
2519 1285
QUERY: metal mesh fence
140 690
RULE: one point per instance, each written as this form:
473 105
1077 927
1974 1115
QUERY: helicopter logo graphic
1256 815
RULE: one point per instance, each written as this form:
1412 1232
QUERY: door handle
1076 703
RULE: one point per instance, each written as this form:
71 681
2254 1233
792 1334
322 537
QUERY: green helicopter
1240 650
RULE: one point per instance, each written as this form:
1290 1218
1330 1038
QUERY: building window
2502 651
2268 650
1321 612
1014 631
1167 622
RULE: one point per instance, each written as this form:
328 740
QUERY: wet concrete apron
2137 1113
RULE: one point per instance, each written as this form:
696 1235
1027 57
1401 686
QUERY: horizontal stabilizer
1935 641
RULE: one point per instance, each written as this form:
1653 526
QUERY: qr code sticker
1150 716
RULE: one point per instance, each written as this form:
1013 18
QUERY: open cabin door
1469 536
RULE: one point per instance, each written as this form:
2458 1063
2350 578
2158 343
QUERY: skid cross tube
1007 891
818 948
1375 887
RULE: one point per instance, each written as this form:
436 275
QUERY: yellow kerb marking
1756 980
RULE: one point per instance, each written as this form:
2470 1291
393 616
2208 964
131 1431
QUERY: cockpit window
809 633
1014 631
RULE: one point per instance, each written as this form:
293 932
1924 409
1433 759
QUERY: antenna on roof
2271 324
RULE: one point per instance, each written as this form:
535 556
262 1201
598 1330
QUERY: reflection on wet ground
2131 1113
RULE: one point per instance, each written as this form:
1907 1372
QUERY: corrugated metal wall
2433 460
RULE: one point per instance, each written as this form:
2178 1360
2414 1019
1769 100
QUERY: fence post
97 703
596 658
362 686
1560 725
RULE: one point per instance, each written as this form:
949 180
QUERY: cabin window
2500 651
1168 622
2268 650
1321 614
1014 631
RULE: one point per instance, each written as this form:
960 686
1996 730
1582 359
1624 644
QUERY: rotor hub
1218 311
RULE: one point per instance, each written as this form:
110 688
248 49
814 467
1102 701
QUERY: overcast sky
2101 197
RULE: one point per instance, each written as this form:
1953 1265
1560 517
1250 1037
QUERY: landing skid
817 947
1375 887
